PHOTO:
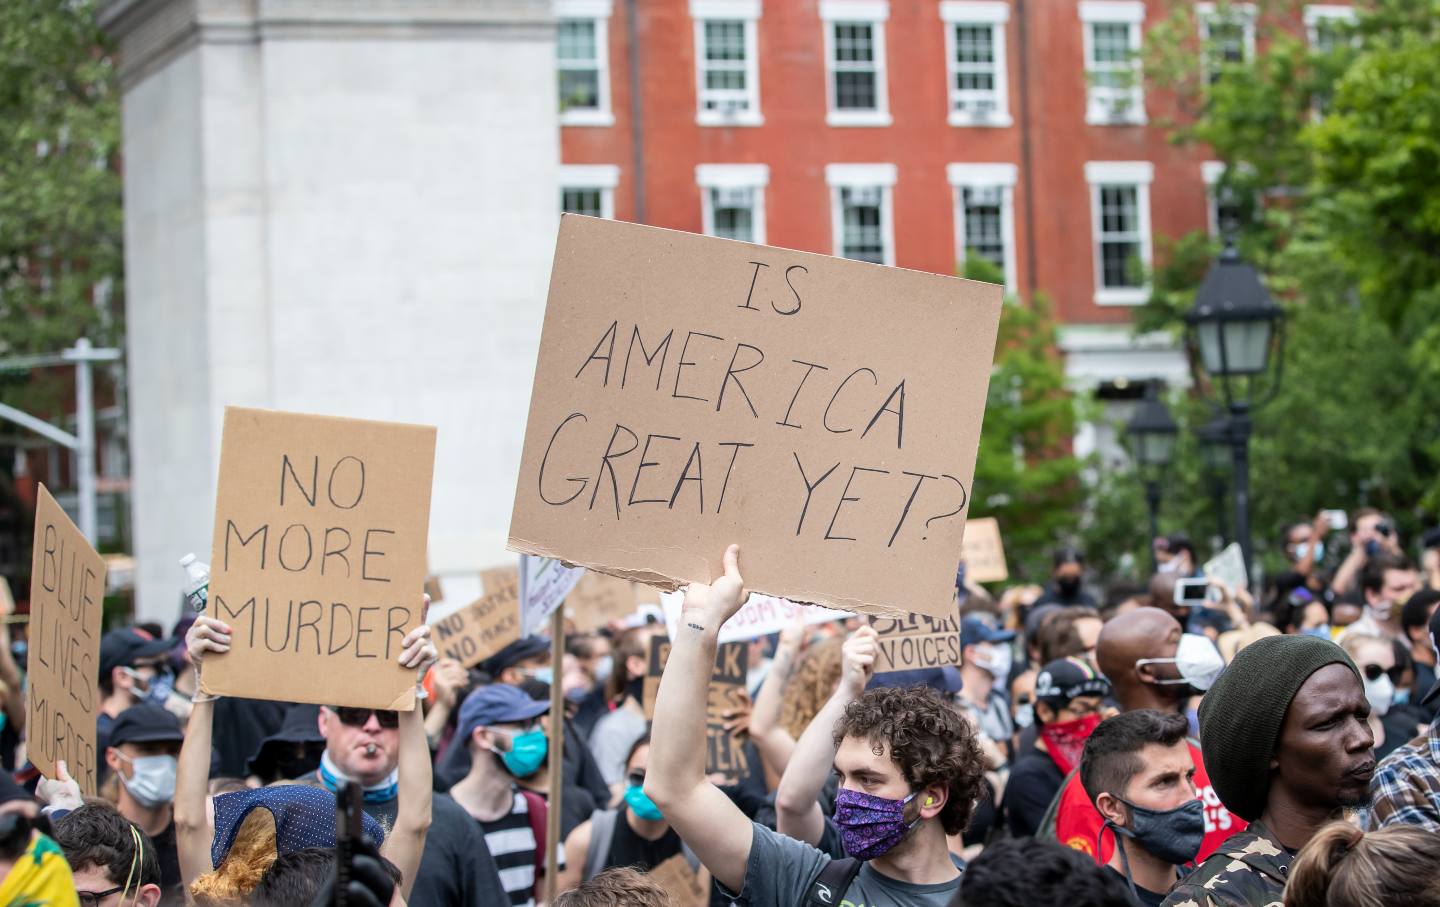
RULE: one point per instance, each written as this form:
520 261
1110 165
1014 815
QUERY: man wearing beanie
1286 739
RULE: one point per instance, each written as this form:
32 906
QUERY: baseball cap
1065 679
123 647
145 723
516 652
974 630
496 703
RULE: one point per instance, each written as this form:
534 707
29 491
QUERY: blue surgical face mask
603 667
642 806
526 754
1320 632
1304 548
1402 697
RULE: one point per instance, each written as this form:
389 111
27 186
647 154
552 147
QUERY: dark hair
1179 542
1065 556
633 643
581 645
1112 752
643 741
1024 872
97 835
1390 867
620 885
295 877
1289 610
1372 578
1417 608
1056 637
930 742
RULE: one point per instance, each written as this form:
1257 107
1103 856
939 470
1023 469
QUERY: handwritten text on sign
723 752
692 391
318 563
481 628
917 642
67 591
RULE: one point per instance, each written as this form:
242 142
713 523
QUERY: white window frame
986 176
599 12
1315 13
1139 174
604 177
982 13
747 12
1099 109
1206 13
874 13
754 177
862 176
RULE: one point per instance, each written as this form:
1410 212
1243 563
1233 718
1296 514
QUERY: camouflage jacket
1249 870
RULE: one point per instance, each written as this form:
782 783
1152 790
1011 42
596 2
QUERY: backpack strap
1046 830
602 835
538 811
832 882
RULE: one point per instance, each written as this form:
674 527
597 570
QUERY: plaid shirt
1406 786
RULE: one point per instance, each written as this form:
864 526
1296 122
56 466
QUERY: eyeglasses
358 717
93 898
1373 672
636 778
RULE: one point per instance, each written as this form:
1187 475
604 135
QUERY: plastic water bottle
197 582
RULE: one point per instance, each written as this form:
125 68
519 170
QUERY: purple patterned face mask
870 825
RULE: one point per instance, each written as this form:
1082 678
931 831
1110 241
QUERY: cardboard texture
724 754
692 391
544 583
432 589
481 628
917 641
1228 567
984 552
598 599
761 615
495 578
318 563
67 595
684 885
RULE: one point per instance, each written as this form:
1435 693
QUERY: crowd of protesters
1097 746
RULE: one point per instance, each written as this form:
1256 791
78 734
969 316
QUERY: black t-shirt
456 868
246 723
172 884
1147 897
1034 782
629 849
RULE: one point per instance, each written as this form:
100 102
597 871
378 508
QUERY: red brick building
905 132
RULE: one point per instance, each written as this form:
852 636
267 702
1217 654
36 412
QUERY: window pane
1115 258
862 237
581 201
983 235
854 42
855 91
579 89
725 41
974 44
576 40
1118 209
1110 42
1227 42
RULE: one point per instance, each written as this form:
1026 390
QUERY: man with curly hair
909 769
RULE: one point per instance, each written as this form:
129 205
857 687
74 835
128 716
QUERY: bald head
1130 637
1162 594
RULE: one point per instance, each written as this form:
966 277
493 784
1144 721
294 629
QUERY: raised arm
450 677
405 842
714 827
797 800
194 817
773 741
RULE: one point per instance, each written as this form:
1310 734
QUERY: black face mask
1174 835
1068 585
636 688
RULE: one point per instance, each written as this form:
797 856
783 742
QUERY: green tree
1025 474
60 200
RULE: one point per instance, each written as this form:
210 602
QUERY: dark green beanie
1241 715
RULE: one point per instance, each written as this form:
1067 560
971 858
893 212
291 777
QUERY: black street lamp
1237 329
1215 459
1151 432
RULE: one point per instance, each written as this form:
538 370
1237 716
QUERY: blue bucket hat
304 817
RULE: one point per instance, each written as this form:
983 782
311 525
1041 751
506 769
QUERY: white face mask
1380 694
603 666
154 781
1025 715
999 662
1171 566
1197 660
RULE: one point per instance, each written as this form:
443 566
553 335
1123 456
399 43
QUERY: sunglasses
1373 672
354 717
94 898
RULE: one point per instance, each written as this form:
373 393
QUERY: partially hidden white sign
761 615
544 583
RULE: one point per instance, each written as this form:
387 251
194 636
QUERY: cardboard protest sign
318 563
983 552
723 753
598 599
493 579
1228 567
917 641
544 583
761 615
683 884
67 593
432 589
692 392
481 628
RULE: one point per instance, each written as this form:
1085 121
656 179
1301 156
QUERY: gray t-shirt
611 740
781 871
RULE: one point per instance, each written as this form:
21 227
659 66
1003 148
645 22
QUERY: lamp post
1237 329
1151 432
1215 459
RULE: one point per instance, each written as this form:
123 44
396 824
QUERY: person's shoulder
1229 877
444 809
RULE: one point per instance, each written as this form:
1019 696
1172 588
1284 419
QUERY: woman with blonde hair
794 691
1343 866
